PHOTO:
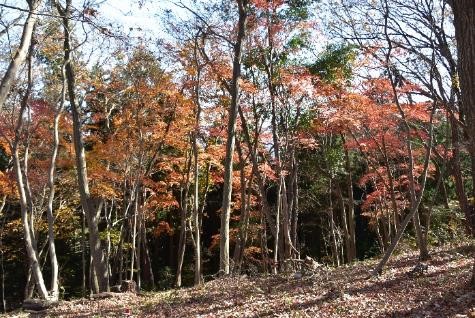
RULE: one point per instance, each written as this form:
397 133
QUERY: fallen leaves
341 292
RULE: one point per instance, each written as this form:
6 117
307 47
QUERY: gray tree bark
230 143
22 51
51 177
100 284
28 230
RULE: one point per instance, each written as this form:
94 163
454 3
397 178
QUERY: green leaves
335 64
298 10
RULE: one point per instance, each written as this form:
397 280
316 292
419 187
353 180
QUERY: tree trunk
51 177
183 215
196 212
351 207
138 250
83 252
464 22
246 190
21 52
277 230
134 232
230 143
97 253
415 199
2 268
252 144
25 207
344 224
294 196
147 262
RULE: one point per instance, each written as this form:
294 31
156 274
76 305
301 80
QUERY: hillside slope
341 292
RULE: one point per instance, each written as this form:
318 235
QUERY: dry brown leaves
343 292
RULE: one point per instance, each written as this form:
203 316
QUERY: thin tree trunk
255 168
282 199
230 143
415 199
134 232
263 241
245 209
351 207
196 201
277 230
107 217
25 207
345 221
183 215
139 250
147 262
83 252
51 177
334 244
295 204
21 52
196 212
2 268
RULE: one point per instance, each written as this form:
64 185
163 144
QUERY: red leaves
163 228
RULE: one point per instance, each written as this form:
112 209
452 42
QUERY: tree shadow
460 300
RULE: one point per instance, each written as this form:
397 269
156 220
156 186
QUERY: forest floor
331 292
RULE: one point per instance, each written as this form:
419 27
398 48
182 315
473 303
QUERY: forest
251 147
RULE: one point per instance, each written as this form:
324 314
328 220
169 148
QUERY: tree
231 136
100 272
22 51
464 19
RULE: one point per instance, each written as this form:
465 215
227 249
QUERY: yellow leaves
103 190
248 87
8 185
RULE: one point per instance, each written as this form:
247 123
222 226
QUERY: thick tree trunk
97 253
464 22
230 143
